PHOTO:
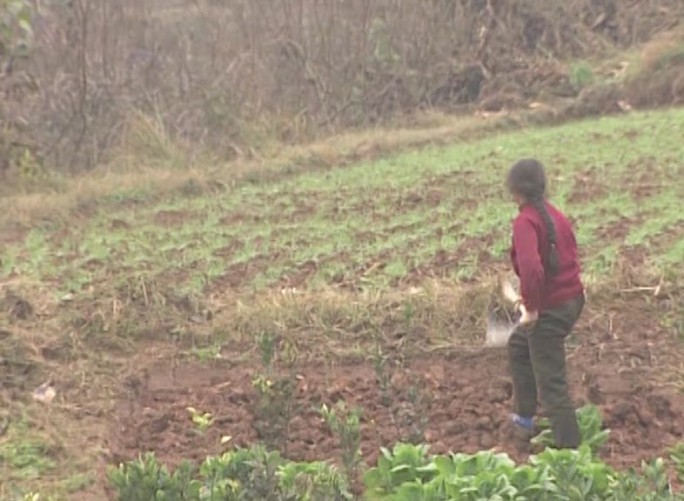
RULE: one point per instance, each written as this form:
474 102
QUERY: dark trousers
537 362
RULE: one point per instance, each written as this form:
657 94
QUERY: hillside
368 278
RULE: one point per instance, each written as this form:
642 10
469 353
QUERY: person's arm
513 258
530 266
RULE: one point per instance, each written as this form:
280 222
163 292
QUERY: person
545 258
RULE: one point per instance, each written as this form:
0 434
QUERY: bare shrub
234 76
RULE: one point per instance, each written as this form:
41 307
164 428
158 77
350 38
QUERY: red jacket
530 245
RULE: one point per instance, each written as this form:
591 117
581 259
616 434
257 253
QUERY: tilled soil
457 401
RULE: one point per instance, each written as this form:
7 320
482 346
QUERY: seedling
267 347
208 353
202 421
345 424
677 457
382 376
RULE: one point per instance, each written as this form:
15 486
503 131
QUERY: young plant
276 402
405 463
407 406
274 408
202 421
405 473
242 474
382 376
313 481
266 343
650 484
33 496
417 417
145 479
207 353
575 473
345 424
677 458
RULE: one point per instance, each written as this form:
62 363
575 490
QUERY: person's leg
547 352
522 373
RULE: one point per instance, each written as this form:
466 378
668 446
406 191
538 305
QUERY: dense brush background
84 81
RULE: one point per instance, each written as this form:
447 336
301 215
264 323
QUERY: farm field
258 303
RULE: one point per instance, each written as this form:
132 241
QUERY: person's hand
528 317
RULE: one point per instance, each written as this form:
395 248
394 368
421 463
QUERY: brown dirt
445 262
430 198
172 218
617 230
300 275
119 225
586 187
620 364
239 274
230 249
639 182
13 233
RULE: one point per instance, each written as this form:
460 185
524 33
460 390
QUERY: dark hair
528 179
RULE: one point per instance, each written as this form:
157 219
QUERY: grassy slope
375 222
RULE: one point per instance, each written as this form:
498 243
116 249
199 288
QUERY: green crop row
406 473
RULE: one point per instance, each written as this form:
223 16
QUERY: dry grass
149 164
657 78
328 322
345 323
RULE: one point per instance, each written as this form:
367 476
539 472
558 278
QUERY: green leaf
401 467
25 26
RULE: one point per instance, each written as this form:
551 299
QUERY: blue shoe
524 422
520 431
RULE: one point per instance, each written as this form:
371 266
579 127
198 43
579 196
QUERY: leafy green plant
404 463
237 475
406 473
552 475
312 481
345 424
242 474
655 476
677 458
202 420
649 484
485 473
146 479
26 456
575 473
